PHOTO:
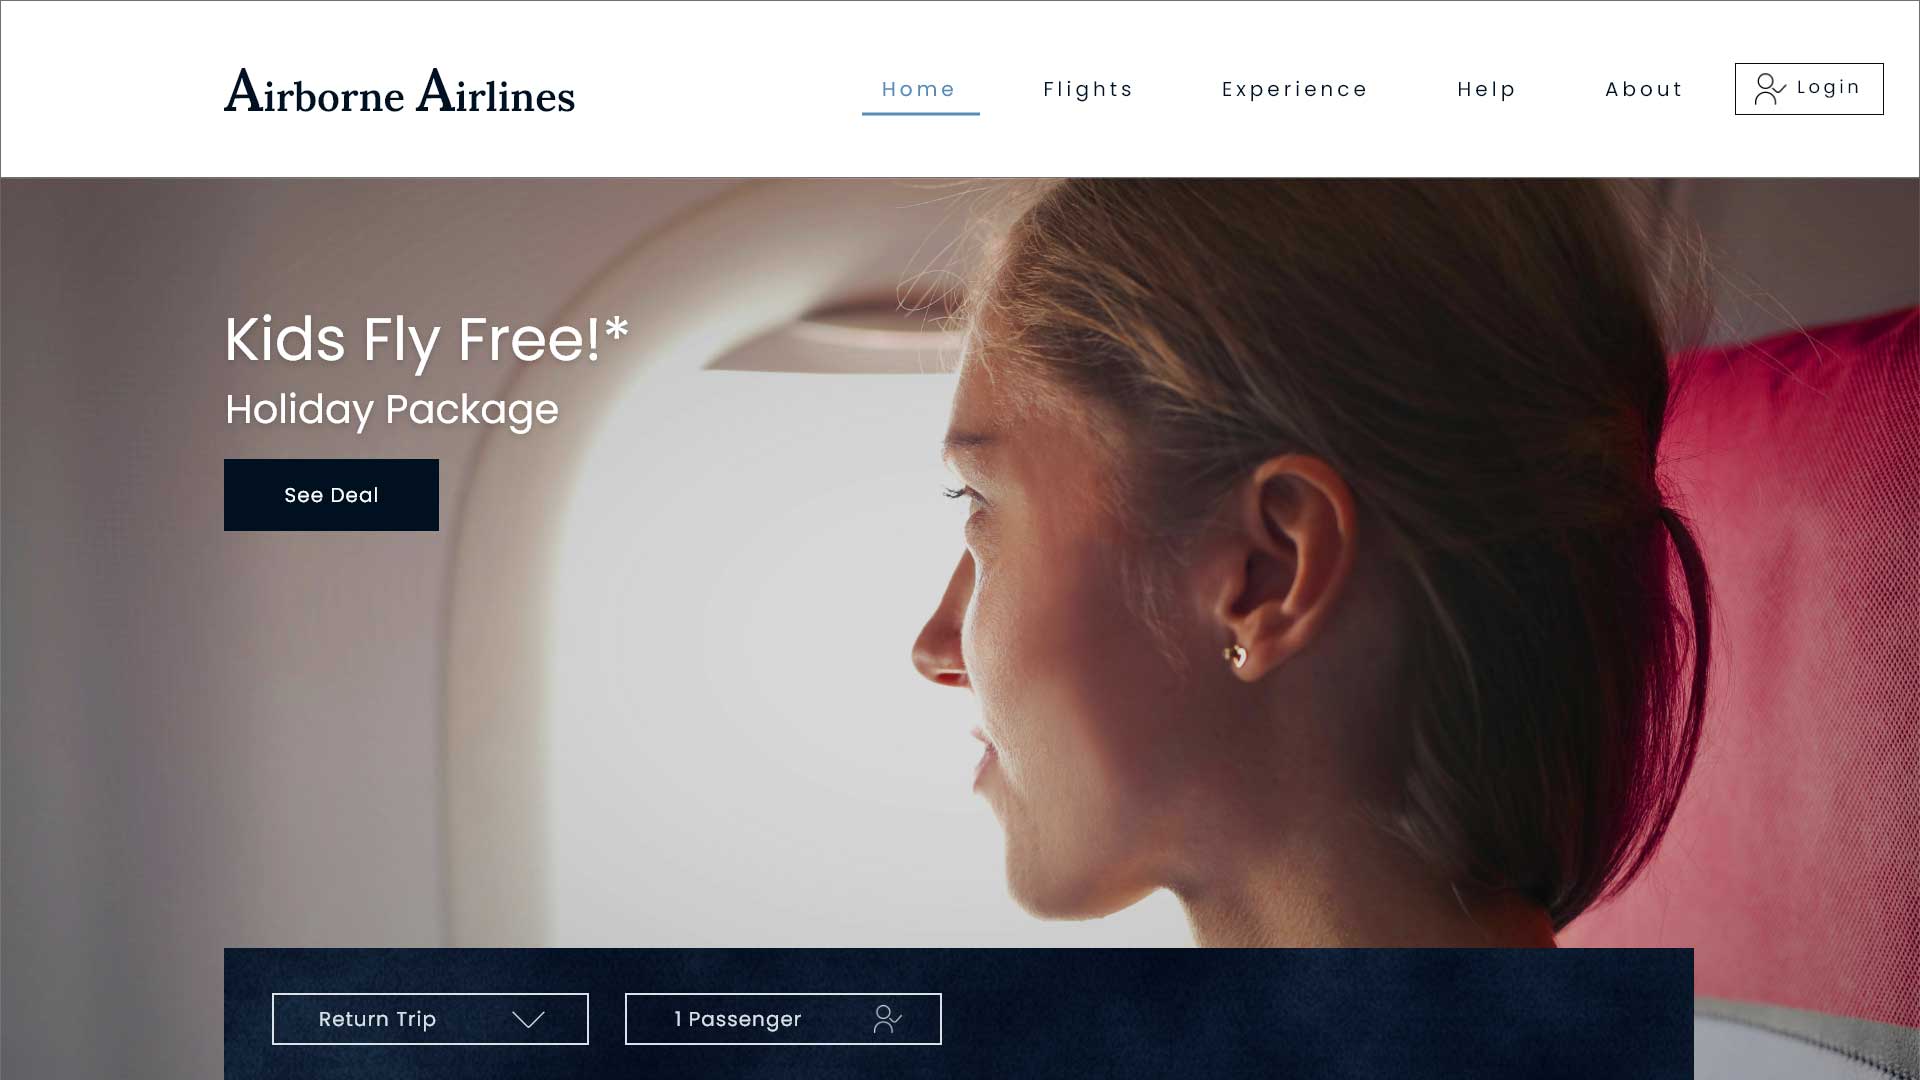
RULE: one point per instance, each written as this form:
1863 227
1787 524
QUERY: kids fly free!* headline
393 339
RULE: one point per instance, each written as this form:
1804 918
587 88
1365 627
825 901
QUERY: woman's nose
936 652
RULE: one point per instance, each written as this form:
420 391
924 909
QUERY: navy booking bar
332 494
819 1013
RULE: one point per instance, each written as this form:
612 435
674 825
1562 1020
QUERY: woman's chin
1046 893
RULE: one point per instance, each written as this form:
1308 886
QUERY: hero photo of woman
1317 565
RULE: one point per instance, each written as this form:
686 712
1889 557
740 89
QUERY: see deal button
332 495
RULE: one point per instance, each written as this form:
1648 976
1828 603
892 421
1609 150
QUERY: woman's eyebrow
964 444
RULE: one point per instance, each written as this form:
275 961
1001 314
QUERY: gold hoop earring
1236 656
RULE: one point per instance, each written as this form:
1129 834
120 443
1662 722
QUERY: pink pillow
1793 863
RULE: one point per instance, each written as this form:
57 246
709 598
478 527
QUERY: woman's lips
987 756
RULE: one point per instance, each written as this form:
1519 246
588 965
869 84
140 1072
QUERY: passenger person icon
887 1018
1768 89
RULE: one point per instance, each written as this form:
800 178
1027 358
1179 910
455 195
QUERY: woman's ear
1291 536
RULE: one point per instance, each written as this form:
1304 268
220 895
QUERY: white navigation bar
871 89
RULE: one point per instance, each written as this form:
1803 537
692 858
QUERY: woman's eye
975 502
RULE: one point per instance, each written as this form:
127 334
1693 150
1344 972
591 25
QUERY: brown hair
1484 363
